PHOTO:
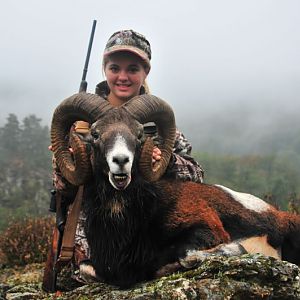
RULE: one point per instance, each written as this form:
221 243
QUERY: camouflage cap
129 40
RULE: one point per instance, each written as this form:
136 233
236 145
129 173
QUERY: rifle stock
50 271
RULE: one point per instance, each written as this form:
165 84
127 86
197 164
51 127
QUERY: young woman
126 65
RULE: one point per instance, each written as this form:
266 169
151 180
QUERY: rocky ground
245 277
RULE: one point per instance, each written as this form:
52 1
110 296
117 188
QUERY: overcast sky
208 56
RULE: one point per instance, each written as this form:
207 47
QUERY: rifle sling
67 247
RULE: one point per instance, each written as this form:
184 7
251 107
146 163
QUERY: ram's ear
84 137
140 131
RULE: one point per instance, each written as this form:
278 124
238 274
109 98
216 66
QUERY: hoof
192 259
87 273
168 269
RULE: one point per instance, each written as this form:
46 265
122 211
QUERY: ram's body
136 227
135 230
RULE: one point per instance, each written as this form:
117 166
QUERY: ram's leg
84 271
168 269
194 257
258 244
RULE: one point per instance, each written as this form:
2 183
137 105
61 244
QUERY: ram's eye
95 135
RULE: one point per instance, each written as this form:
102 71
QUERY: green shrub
26 241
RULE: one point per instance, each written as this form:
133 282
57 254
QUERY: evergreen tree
10 139
35 141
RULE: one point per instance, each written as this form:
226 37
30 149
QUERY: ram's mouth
119 181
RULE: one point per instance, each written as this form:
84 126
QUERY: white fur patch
120 149
192 252
87 271
247 200
260 244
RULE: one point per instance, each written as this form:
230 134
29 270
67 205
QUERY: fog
227 67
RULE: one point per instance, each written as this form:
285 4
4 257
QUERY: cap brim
121 48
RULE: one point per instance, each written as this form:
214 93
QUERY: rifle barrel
83 84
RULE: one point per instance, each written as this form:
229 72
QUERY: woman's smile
123 86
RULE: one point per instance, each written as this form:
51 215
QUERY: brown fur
229 221
191 209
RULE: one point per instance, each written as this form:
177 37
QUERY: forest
25 162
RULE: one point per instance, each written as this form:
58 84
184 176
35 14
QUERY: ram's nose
121 160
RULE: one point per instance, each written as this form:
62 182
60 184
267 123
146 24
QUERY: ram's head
114 137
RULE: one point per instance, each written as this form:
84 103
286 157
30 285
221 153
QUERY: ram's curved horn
147 108
75 167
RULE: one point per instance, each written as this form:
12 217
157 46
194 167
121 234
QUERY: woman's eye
114 69
133 69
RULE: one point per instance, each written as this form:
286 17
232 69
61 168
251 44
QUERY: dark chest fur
125 232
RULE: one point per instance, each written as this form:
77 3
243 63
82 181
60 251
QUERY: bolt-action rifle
63 234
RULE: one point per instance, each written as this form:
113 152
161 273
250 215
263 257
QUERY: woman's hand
156 154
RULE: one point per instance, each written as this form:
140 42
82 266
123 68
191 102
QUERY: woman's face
125 74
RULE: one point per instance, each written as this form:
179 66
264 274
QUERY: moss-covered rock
244 277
